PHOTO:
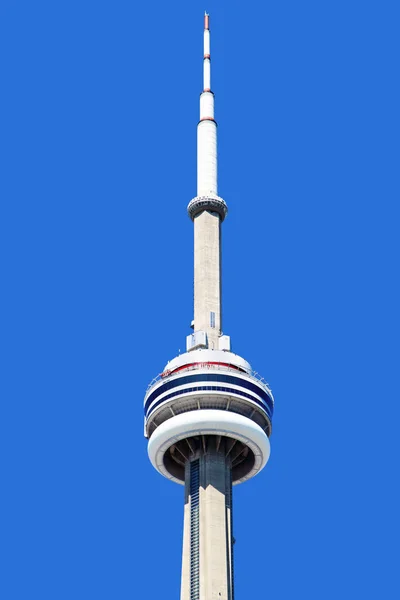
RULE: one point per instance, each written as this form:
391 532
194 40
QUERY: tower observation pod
208 414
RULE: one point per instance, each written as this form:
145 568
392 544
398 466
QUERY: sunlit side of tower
208 415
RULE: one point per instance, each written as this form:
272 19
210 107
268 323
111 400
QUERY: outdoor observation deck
208 385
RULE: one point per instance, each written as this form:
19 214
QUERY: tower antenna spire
207 211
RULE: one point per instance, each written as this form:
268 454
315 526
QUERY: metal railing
211 367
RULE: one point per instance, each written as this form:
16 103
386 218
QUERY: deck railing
211 367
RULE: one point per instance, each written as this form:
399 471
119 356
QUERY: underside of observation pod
185 436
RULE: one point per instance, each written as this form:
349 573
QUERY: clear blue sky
100 106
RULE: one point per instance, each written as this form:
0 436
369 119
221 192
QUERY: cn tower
208 414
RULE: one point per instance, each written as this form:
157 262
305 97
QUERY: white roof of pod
208 356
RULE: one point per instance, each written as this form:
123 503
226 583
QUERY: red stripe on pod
199 365
207 56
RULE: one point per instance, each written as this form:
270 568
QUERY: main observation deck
204 380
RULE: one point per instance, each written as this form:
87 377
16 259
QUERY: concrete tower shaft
207 277
208 414
207 557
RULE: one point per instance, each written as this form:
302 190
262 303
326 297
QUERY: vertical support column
214 551
207 546
207 276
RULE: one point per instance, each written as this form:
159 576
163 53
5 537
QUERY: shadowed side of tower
208 414
207 540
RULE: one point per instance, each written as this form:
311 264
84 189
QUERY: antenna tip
206 21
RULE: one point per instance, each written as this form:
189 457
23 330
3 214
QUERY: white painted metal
206 105
207 158
205 356
209 422
206 42
207 74
196 339
224 343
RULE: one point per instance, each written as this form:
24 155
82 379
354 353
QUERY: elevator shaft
207 563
